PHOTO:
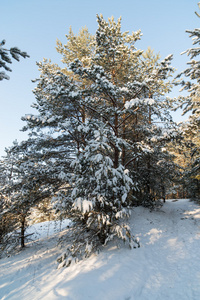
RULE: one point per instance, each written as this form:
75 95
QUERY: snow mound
166 266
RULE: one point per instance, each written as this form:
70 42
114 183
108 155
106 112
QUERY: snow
166 266
137 101
47 229
83 205
73 94
86 206
124 197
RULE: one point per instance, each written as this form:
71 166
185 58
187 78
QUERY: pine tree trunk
123 136
116 155
83 121
22 231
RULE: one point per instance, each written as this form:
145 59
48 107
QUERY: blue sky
34 26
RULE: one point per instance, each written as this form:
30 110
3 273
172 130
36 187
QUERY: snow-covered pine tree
54 131
129 120
117 53
155 167
26 183
97 119
191 103
10 217
5 58
69 123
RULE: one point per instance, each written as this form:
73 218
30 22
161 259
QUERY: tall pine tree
97 131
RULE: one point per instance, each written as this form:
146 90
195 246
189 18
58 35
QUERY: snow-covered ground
166 266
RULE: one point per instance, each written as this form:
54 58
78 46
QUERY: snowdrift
166 266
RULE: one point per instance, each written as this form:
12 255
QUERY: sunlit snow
166 266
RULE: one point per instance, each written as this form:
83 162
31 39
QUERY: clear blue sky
34 26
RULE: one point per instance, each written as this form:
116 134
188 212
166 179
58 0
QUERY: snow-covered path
166 266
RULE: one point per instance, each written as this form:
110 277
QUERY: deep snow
166 266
